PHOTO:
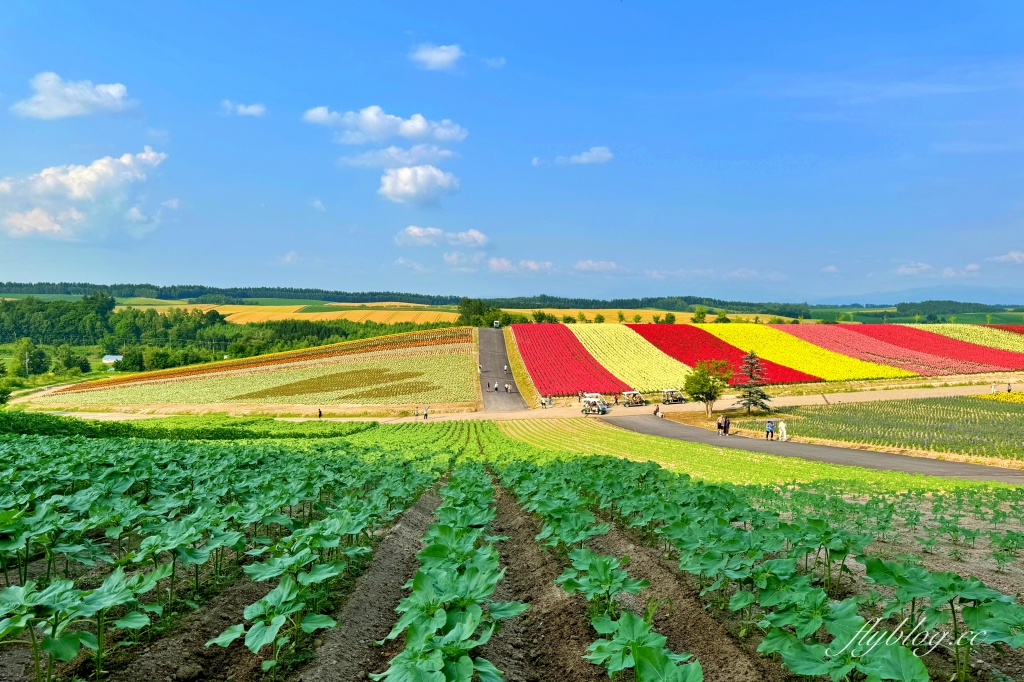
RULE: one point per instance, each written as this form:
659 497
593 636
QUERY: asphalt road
493 360
653 426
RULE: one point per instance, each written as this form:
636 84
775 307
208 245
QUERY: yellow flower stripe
972 333
631 357
1003 397
785 349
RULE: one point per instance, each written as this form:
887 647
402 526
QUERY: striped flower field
565 359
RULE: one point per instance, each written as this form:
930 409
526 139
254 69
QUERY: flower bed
689 345
918 339
839 339
978 334
631 357
776 345
559 364
381 343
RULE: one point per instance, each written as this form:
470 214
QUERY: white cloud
494 62
395 157
972 267
290 258
171 204
592 155
374 124
970 270
86 182
431 236
831 269
415 266
62 200
596 266
419 236
57 98
742 273
536 266
420 185
136 215
663 274
464 262
436 57
468 238
318 205
913 268
242 109
501 265
39 221
535 161
1011 257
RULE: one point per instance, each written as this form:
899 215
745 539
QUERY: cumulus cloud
242 109
830 269
171 204
86 182
912 268
419 185
58 98
592 155
536 265
318 205
373 124
464 262
432 236
494 62
415 266
970 270
536 161
396 157
1011 257
436 57
290 258
62 200
419 236
596 266
501 265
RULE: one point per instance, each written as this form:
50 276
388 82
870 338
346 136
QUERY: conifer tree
752 393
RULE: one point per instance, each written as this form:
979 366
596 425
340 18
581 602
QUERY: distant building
111 359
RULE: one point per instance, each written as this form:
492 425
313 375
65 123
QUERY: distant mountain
1002 296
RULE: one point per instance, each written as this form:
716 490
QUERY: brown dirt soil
347 652
15 663
547 642
688 627
184 655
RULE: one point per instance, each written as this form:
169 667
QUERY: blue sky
595 149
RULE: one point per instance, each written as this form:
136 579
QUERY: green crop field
129 536
968 426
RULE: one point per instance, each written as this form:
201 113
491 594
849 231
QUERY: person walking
551 401
506 369
721 424
726 425
769 430
993 387
319 413
782 430
495 386
426 408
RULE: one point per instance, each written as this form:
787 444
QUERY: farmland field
420 367
559 364
630 357
282 558
967 426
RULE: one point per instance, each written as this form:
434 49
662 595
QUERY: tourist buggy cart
633 399
671 396
593 403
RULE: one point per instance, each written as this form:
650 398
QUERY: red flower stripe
1015 328
840 339
936 344
559 364
689 345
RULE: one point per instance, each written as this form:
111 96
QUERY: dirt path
547 642
184 654
347 652
687 626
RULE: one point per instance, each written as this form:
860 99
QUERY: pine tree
752 393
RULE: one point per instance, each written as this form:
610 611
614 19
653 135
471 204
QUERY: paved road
493 361
653 426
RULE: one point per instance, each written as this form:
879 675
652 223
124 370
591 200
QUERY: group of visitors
508 387
546 402
416 411
1009 388
723 425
